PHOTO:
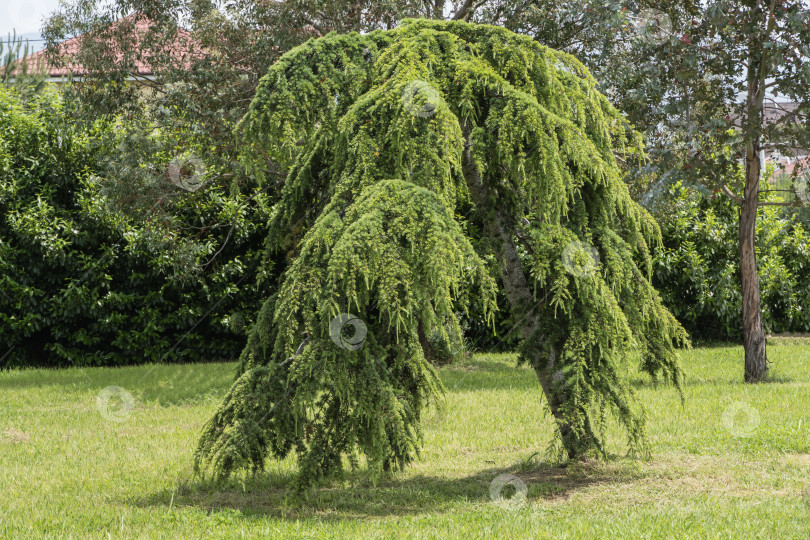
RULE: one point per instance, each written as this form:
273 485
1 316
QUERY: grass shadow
639 384
483 374
164 384
271 495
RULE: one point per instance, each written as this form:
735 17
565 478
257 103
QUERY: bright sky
25 16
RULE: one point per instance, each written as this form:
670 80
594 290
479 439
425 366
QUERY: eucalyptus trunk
756 360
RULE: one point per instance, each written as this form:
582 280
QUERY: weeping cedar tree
421 161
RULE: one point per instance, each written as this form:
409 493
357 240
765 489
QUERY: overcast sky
25 16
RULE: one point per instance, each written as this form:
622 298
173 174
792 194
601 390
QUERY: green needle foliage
427 166
18 70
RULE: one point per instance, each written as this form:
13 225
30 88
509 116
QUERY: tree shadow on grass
775 376
271 494
173 384
481 374
164 384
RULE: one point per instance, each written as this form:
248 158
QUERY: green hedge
698 271
82 285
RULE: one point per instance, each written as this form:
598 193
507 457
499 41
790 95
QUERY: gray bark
521 299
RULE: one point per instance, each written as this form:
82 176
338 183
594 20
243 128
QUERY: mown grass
66 471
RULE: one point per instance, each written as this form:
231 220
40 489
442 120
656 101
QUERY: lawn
71 467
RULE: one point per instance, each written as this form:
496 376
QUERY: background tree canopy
429 164
674 68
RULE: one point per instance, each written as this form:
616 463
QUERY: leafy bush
698 273
83 285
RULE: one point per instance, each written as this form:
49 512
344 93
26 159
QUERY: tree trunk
756 360
521 301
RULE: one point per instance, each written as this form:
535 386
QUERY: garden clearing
71 467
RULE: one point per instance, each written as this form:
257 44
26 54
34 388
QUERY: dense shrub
83 285
698 272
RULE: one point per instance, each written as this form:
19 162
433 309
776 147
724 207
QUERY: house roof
775 110
789 167
182 48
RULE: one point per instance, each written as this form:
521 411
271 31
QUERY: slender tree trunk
521 301
756 360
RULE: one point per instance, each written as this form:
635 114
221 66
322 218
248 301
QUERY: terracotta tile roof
802 163
182 49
